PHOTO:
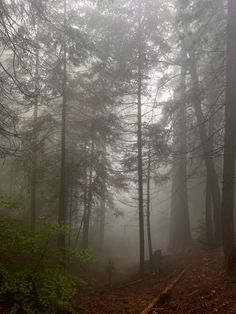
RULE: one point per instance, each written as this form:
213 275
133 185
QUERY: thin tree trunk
34 146
85 210
84 219
230 142
78 234
140 157
11 179
70 212
102 220
89 201
103 201
209 223
207 153
149 234
180 235
62 197
34 169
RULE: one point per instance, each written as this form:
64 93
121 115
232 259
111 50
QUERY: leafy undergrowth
205 288
32 275
48 291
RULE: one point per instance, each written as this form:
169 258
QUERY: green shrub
48 291
31 276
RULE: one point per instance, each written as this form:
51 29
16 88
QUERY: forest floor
204 288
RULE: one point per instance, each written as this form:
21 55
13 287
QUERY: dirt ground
205 288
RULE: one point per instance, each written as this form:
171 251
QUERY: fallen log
164 296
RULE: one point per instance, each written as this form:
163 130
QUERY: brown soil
205 288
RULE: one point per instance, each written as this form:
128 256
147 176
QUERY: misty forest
117 152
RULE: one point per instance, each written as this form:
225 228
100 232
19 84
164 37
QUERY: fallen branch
164 296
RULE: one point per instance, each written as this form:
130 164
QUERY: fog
117 156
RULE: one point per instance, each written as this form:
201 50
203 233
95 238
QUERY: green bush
48 291
32 279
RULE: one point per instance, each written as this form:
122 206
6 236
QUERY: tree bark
180 235
149 233
209 222
34 147
70 210
11 179
34 169
140 153
230 142
89 202
62 196
84 219
207 153
212 99
103 201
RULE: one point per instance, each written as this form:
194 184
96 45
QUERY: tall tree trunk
78 233
209 222
207 153
103 201
84 219
230 142
11 181
180 235
140 153
34 147
70 211
62 197
34 170
89 201
149 233
212 99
